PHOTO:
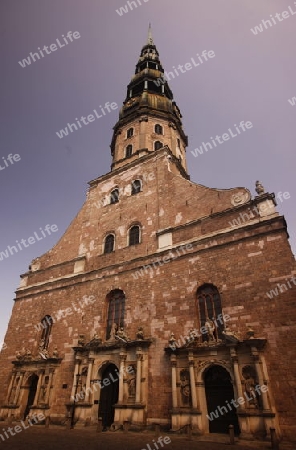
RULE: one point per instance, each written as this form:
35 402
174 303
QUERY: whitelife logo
270 23
129 6
183 68
243 126
53 47
11 158
86 120
11 250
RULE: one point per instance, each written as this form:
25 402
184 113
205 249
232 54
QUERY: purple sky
251 78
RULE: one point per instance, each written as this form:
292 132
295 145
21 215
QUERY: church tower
165 302
149 118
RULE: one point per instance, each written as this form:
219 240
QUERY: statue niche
185 387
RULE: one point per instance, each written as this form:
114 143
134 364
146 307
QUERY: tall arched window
130 133
116 306
134 235
210 309
114 197
158 129
128 151
47 323
109 243
158 145
136 187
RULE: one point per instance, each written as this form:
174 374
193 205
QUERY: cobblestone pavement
57 438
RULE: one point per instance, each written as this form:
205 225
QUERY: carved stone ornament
140 333
259 188
239 198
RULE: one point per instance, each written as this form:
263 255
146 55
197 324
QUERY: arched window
136 187
109 243
134 235
210 312
114 197
128 151
116 308
47 323
158 129
158 145
130 133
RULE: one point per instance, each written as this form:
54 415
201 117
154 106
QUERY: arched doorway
32 386
219 393
109 395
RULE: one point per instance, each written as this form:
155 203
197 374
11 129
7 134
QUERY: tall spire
150 38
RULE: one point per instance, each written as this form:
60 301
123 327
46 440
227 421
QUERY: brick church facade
155 304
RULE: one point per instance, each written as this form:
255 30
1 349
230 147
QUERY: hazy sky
250 78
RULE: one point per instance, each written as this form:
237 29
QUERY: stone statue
41 345
18 355
55 353
113 332
81 340
230 336
185 386
44 354
132 383
28 355
250 333
140 333
259 188
172 339
121 334
250 390
210 327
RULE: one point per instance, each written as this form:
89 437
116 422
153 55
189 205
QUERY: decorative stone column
139 374
10 387
259 372
122 357
88 378
174 381
76 371
40 379
192 380
18 388
46 400
237 377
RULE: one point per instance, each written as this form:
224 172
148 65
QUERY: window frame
156 130
116 310
209 304
134 191
156 145
105 244
130 133
114 199
139 235
128 151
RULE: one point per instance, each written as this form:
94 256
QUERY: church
154 307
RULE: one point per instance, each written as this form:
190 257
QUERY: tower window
115 312
210 311
130 132
134 235
158 145
109 243
158 129
114 197
128 151
178 143
136 187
